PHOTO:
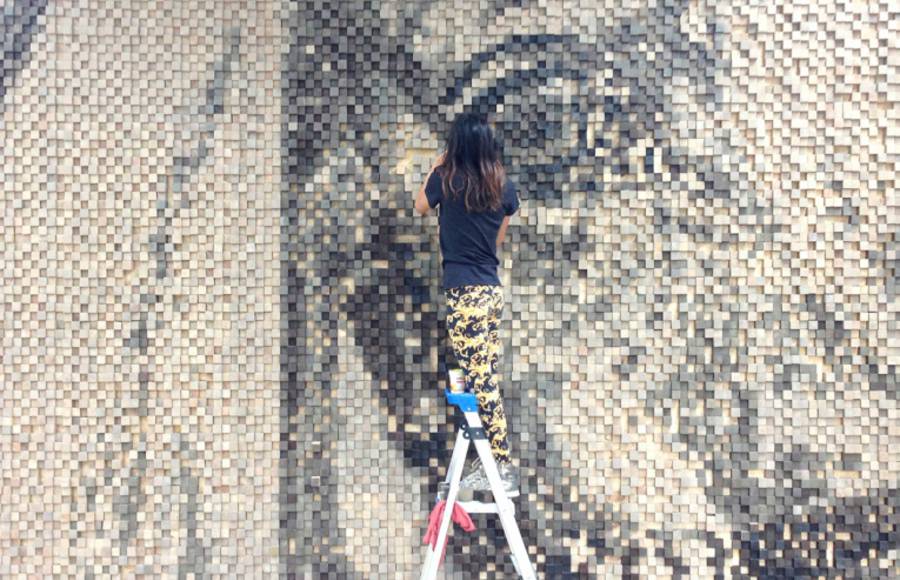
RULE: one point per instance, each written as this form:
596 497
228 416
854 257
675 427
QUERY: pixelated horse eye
540 105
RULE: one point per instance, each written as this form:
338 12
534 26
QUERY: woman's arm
421 199
502 232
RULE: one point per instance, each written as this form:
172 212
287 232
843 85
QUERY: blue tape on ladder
465 401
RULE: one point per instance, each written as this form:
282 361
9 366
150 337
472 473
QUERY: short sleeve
434 190
510 198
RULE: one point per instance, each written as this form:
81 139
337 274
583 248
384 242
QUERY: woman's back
468 239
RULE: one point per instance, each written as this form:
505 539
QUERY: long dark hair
475 153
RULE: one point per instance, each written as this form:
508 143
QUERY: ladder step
470 496
479 507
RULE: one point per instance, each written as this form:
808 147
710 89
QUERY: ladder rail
505 507
454 474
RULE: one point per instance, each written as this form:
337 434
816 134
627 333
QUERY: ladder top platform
466 401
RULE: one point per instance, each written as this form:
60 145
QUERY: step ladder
473 431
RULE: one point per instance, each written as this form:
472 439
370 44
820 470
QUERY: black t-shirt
468 240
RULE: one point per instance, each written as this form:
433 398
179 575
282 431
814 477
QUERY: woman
476 200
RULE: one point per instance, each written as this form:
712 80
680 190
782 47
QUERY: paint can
457 380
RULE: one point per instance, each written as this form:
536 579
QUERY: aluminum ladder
473 431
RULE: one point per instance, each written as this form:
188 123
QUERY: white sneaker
473 466
469 469
478 480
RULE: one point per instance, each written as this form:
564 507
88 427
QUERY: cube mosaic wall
223 337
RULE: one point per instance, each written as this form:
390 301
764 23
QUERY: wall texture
223 336
140 289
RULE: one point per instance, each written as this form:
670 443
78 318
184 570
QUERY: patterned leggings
473 320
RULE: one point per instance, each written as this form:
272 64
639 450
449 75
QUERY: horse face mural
681 351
